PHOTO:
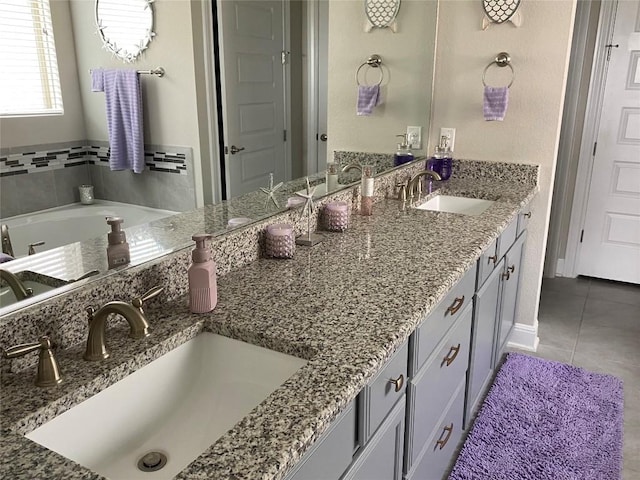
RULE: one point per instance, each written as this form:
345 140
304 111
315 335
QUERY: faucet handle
402 191
146 296
48 374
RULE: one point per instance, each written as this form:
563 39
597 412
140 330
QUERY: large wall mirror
125 26
176 42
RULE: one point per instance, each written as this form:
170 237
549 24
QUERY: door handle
323 137
233 150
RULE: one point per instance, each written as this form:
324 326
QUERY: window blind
29 80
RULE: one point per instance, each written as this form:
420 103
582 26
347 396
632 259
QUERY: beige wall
25 131
170 110
408 67
540 51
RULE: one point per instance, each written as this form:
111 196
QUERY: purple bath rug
545 420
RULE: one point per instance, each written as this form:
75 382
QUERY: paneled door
611 236
252 51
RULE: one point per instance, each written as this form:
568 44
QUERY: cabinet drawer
433 329
435 385
332 453
382 393
440 449
486 263
382 457
523 219
507 238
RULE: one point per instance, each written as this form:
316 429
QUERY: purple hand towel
496 101
123 96
368 97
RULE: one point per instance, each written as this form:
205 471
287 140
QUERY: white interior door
611 238
323 57
251 48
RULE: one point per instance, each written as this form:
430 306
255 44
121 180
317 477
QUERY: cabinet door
381 459
431 390
487 263
439 452
510 283
332 452
382 393
483 335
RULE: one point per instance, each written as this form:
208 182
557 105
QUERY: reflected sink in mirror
178 405
461 205
38 283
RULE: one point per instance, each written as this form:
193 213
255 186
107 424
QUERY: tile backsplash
46 176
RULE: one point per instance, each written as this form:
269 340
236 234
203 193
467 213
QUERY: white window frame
28 62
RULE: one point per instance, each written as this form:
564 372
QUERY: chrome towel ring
503 59
374 61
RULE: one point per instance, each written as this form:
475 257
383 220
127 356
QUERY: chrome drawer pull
456 305
398 382
442 442
450 358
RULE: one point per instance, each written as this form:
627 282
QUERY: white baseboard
525 337
560 267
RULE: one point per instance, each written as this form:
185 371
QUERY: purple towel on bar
368 97
496 101
124 116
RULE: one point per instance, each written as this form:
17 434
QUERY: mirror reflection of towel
496 101
368 98
123 96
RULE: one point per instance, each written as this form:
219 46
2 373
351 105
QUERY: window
29 81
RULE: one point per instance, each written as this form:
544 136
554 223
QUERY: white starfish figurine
308 206
271 191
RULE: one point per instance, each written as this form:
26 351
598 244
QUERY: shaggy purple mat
545 420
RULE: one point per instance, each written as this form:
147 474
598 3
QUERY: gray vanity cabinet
435 403
367 440
483 335
495 304
333 451
509 301
382 457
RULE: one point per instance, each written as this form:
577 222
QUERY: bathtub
74 223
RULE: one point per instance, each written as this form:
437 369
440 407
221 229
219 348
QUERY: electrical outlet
414 137
450 133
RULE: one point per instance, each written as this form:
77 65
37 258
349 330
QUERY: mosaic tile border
165 159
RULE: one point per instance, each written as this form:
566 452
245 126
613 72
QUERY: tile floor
595 324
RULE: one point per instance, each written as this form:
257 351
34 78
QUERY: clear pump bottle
203 287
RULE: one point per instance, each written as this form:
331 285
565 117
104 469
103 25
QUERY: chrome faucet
6 240
415 185
132 313
16 286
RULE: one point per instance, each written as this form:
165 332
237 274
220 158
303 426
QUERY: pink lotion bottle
203 288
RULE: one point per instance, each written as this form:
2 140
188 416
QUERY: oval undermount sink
461 205
177 406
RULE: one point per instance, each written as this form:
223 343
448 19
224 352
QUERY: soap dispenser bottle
117 248
447 158
403 154
203 288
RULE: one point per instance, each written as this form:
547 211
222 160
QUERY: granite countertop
345 305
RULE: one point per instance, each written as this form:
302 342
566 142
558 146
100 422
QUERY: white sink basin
462 205
178 405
